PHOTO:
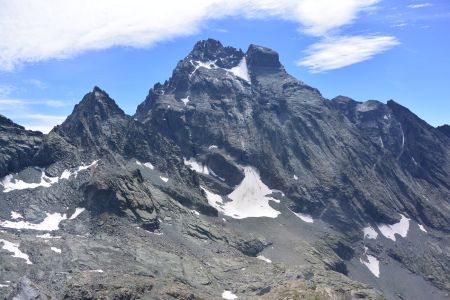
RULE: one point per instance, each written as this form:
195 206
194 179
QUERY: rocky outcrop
17 146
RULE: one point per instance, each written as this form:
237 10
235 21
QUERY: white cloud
338 52
32 31
24 113
419 5
321 16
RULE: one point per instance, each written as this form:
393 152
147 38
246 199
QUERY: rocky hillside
233 180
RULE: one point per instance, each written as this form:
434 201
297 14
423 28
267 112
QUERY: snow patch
4 285
16 215
165 179
66 174
195 212
304 217
422 228
401 228
14 248
370 233
371 262
96 271
261 257
147 164
197 64
57 250
185 100
196 166
10 184
228 295
50 223
295 177
77 212
47 236
212 147
249 199
241 70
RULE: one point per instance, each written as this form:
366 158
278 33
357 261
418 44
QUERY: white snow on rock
370 233
66 174
165 179
47 236
241 70
422 228
14 248
197 64
147 164
261 257
16 215
185 100
4 285
249 199
57 250
401 228
196 166
50 223
212 147
77 212
10 184
195 212
96 271
304 217
228 295
371 262
295 177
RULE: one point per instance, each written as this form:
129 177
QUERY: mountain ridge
177 188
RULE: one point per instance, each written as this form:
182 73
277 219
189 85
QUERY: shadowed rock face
17 146
144 200
445 129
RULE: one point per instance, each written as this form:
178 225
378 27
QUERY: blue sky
364 49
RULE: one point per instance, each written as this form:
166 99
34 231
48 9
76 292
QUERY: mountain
233 179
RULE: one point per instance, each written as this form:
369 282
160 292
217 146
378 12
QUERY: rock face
357 163
233 179
17 146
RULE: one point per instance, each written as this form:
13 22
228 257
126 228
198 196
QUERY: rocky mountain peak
5 122
211 51
259 57
95 104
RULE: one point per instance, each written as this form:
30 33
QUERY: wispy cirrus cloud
32 31
25 113
337 52
419 5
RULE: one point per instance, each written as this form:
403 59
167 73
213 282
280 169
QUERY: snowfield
50 223
14 248
401 228
249 199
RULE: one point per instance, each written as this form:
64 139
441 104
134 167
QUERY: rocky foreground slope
233 180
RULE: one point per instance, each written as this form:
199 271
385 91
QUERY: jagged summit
96 103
